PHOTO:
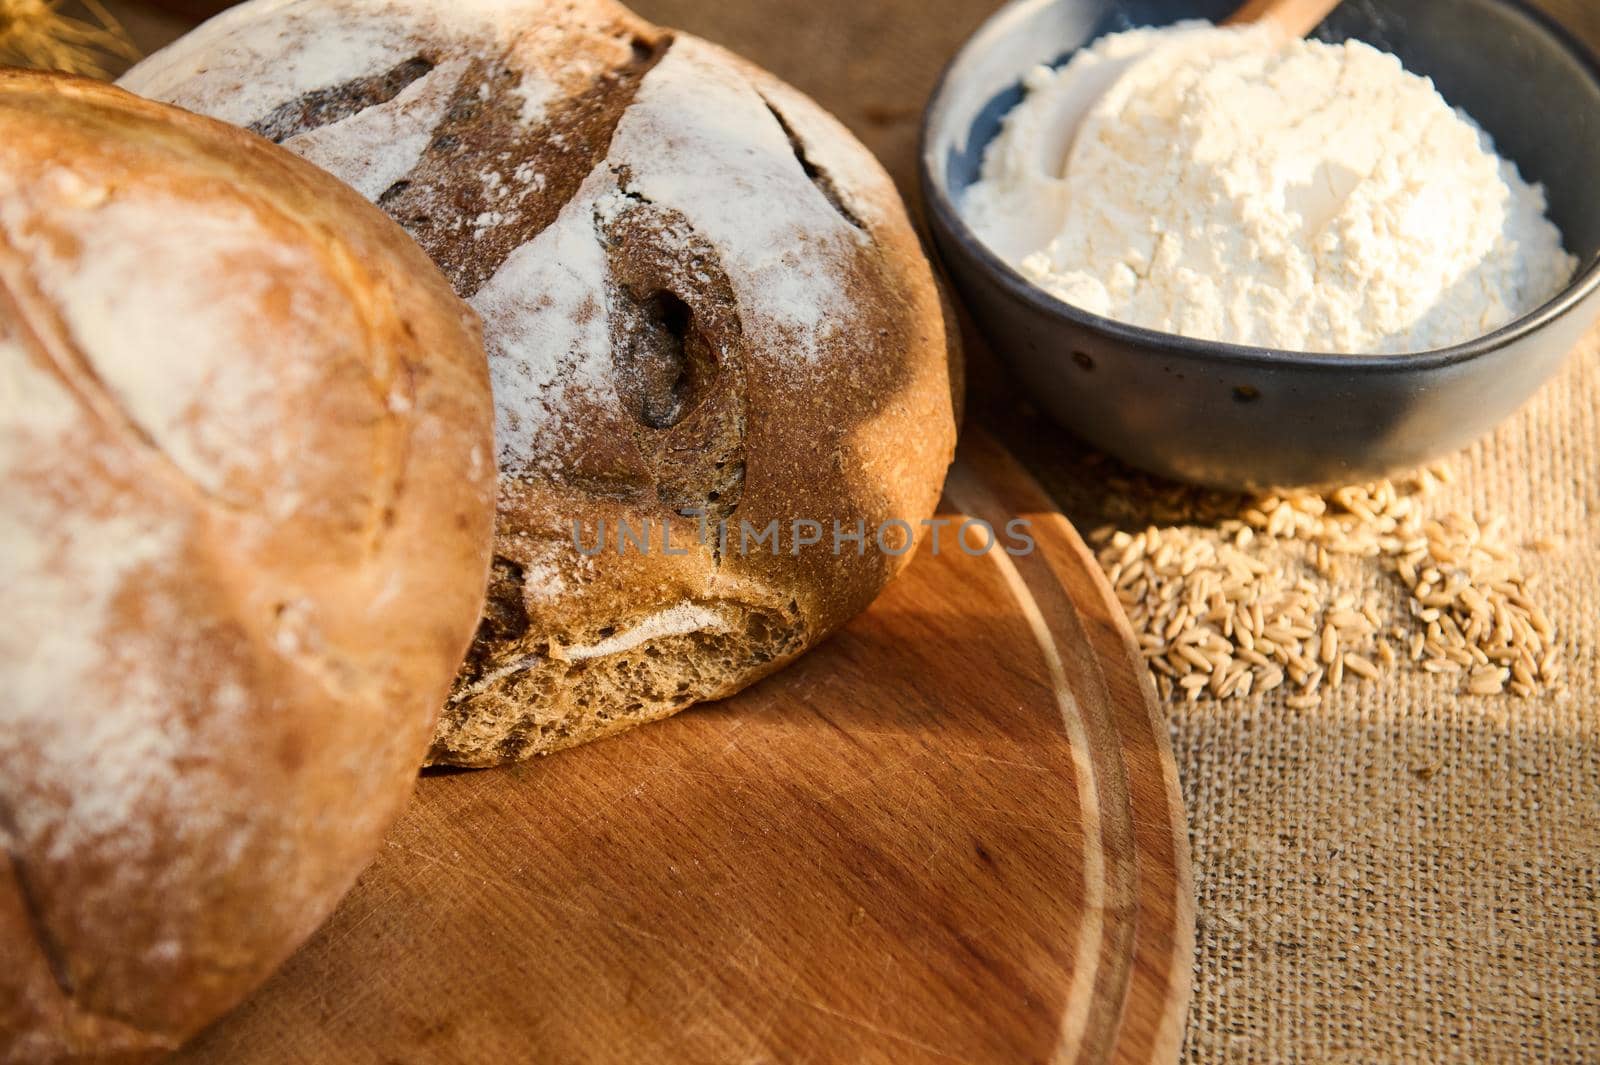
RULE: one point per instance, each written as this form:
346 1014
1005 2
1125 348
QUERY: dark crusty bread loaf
703 302
246 507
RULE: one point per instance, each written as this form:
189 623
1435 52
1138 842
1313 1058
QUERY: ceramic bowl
1243 417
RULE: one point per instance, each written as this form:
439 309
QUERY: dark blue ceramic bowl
1241 417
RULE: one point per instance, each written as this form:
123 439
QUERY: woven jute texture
1403 874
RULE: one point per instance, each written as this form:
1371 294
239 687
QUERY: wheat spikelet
35 33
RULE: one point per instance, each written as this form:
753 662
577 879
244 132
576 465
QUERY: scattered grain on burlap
1290 591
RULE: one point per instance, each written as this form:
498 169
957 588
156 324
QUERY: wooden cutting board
952 833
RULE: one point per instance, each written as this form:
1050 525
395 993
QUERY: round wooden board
952 833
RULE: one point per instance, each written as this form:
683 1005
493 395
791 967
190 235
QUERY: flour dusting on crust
147 304
545 327
324 53
699 139
374 148
74 558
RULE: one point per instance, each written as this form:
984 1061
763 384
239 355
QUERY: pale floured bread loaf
701 296
246 506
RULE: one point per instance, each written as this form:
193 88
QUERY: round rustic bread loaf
246 512
703 304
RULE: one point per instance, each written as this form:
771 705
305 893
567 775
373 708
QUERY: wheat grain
1252 603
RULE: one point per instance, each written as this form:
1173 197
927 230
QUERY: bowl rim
947 217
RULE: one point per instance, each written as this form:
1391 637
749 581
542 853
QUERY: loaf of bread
706 313
246 509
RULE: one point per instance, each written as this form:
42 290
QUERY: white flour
1225 185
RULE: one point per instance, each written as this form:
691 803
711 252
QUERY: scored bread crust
700 294
245 519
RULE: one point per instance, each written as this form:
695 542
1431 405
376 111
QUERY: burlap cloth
1403 874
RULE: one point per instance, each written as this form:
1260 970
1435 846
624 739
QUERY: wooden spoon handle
1295 18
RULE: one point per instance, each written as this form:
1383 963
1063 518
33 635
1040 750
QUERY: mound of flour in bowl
1228 185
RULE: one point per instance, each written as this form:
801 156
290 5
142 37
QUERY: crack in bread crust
545 702
481 135
324 107
818 176
50 948
49 344
504 622
391 376
52 951
679 351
